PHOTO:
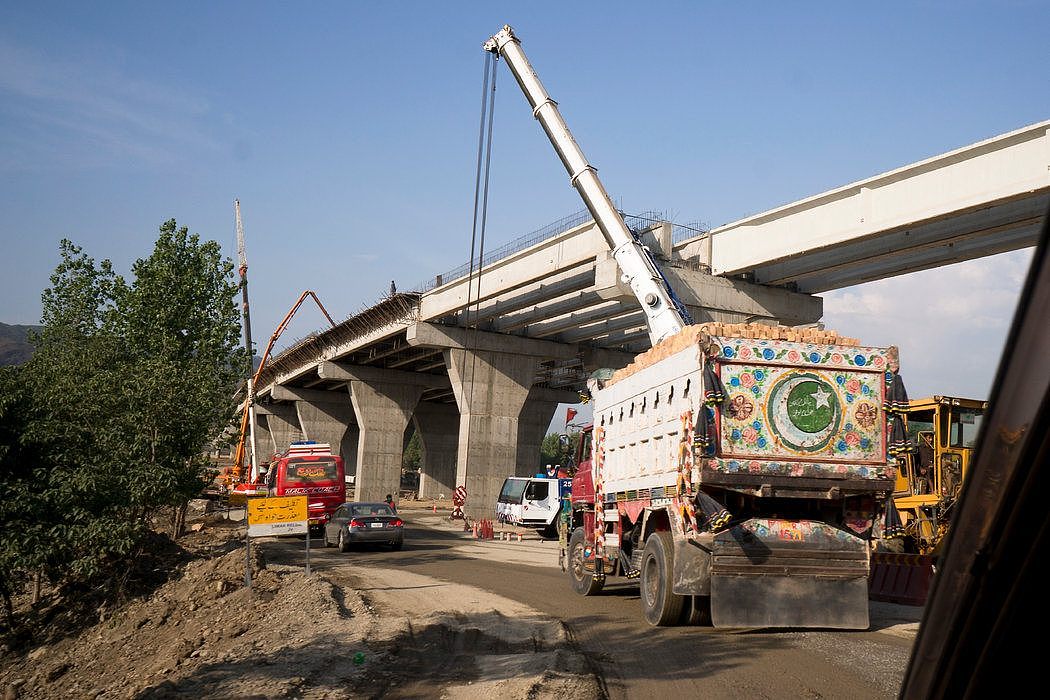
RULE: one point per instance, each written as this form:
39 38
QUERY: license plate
376 525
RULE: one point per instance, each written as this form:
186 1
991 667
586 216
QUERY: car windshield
512 490
371 509
302 470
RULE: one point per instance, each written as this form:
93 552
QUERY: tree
109 420
412 460
558 448
20 509
181 327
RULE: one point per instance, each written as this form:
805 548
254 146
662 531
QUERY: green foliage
558 448
412 458
108 421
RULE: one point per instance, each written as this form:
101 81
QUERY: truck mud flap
692 567
770 573
789 601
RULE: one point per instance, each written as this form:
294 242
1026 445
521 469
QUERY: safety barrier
900 578
483 530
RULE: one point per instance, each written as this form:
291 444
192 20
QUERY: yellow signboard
277 515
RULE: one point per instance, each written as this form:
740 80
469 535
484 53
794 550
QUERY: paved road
634 659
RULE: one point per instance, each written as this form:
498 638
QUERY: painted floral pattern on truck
814 413
785 352
817 470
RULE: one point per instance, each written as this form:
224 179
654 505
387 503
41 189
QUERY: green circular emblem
809 407
804 411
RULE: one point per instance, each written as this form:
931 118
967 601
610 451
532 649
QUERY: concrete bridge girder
712 298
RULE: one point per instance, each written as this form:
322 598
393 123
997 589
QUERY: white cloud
950 323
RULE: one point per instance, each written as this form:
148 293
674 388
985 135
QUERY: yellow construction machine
944 430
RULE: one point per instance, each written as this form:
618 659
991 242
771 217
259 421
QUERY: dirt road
634 659
446 617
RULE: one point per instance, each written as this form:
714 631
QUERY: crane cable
480 220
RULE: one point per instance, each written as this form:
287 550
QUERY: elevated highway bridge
477 363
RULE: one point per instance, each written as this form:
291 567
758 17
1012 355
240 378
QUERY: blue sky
348 131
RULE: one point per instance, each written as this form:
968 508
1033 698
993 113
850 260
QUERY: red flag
570 413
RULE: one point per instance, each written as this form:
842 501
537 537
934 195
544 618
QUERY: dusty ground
369 633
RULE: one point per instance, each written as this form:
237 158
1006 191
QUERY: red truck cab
309 469
583 481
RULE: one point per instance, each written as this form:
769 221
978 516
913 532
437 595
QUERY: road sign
277 515
459 498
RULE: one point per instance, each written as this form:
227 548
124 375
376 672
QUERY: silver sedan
355 523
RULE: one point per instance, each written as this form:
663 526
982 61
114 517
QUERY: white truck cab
532 501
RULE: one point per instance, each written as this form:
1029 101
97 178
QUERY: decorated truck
737 473
740 480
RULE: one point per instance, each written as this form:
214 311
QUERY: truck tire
660 605
583 581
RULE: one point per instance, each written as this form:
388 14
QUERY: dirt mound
204 635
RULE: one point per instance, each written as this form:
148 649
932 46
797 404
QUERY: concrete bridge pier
263 441
492 375
533 422
491 389
383 410
282 424
324 416
383 401
438 428
348 449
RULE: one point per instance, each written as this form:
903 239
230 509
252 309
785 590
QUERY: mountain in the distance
15 347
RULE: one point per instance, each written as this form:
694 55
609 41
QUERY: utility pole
243 269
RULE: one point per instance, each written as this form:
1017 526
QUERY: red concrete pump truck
737 473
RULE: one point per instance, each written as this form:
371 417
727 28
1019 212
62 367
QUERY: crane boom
639 270
250 399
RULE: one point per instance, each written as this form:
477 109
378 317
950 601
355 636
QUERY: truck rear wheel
583 581
660 605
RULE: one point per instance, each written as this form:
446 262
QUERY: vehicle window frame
532 486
